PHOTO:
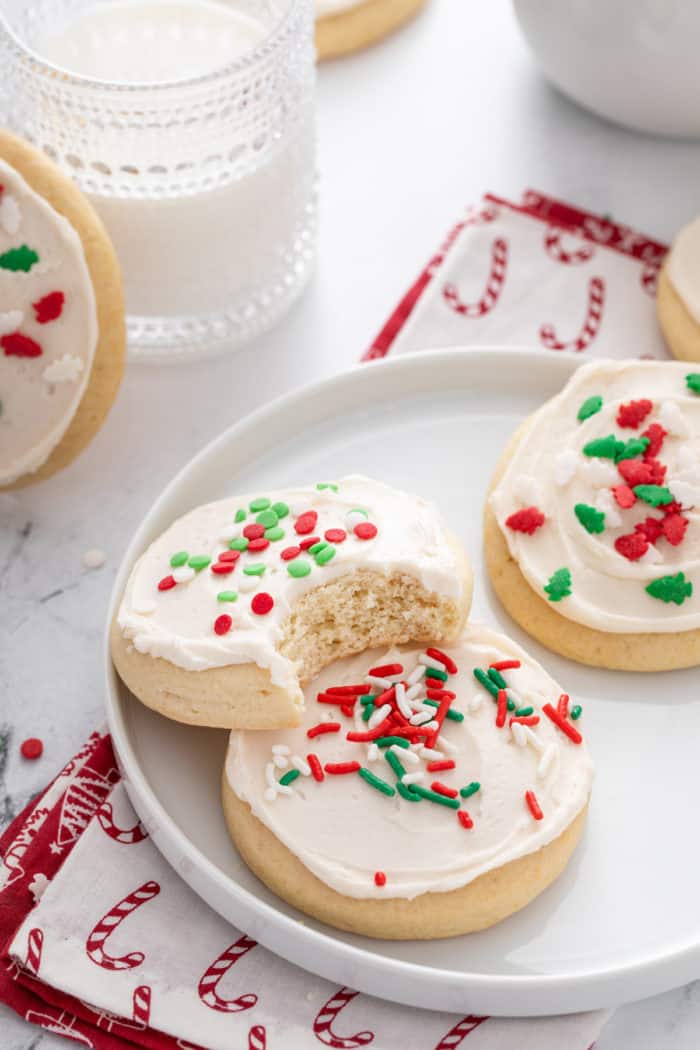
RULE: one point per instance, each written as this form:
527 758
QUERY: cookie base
487 900
681 330
46 179
541 619
360 26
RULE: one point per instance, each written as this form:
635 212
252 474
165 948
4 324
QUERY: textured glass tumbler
206 185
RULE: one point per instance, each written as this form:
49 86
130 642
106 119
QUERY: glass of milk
190 125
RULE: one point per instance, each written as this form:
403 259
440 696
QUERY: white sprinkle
686 494
284 789
373 753
145 607
651 556
517 729
431 754
565 464
281 761
381 683
533 739
416 675
421 718
355 517
184 574
405 753
600 473
401 701
475 703
527 490
230 532
10 321
672 419
428 661
248 583
302 765
378 716
64 369
687 457
270 775
281 749
413 778
94 558
447 744
546 761
10 215
604 501
414 691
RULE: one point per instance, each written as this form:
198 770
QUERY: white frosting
683 267
344 830
38 396
608 590
178 624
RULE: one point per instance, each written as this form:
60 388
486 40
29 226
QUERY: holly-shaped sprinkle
593 520
178 559
671 588
19 259
633 546
605 448
634 447
636 472
49 307
634 412
692 381
262 603
527 520
590 407
298 568
655 495
15 344
559 585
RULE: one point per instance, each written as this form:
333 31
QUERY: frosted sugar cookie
239 600
348 25
678 294
592 528
62 332
428 792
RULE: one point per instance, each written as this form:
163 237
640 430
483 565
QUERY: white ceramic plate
623 921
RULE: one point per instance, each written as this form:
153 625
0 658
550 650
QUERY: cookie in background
343 26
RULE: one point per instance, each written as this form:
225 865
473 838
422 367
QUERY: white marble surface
409 133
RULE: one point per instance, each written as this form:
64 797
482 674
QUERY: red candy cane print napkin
541 275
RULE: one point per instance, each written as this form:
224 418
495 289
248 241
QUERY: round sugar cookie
240 600
592 524
62 330
343 26
428 792
680 328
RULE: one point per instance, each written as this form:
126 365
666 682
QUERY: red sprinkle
528 520
341 767
533 805
167 583
502 708
348 709
639 472
440 694
258 545
379 878
335 535
349 690
254 532
309 542
32 748
632 414
464 819
49 307
223 568
563 705
229 556
525 720
332 698
381 730
290 552
315 767
222 624
306 522
505 665
440 766
365 530
632 546
262 603
566 727
447 661
321 728
650 529
385 670
624 496
656 434
17 345
442 789
673 527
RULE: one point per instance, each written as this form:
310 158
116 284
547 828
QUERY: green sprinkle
483 679
589 407
576 712
510 706
496 676
456 716
405 791
592 520
199 562
316 548
227 596
671 588
368 712
178 559
395 763
369 699
267 518
280 509
470 789
275 533
239 543
324 556
22 258
375 781
606 447
634 447
326 485
693 382
432 672
656 495
298 567
559 585
259 504
523 712
240 516
358 510
256 569
387 741
434 796
289 777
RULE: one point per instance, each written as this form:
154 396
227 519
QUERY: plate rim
526 994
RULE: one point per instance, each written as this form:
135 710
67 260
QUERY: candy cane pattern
127 836
35 944
555 249
327 1015
492 291
141 1006
208 984
591 324
257 1038
12 860
651 264
62 1023
95 944
459 1033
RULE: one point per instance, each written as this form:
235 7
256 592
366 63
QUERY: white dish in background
623 921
